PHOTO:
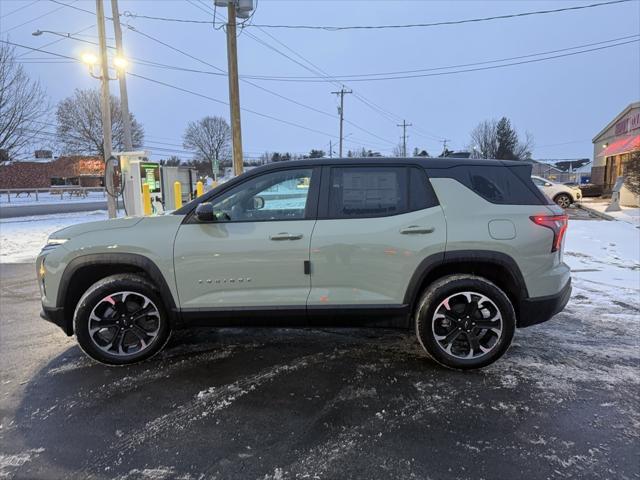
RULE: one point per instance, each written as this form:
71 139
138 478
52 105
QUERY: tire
563 200
121 320
448 338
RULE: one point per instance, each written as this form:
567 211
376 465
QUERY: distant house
544 169
80 170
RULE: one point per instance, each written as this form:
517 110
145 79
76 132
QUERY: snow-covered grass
604 252
21 238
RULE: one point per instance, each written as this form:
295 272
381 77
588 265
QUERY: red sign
627 124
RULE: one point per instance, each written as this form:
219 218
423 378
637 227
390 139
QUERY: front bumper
537 310
57 317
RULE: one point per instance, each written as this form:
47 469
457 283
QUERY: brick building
84 171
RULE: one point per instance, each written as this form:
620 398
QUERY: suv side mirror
547 184
258 203
204 212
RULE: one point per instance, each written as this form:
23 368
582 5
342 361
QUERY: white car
563 195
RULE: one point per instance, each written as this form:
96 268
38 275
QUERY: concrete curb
597 213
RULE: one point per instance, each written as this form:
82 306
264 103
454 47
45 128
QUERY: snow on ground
604 252
627 214
46 198
21 238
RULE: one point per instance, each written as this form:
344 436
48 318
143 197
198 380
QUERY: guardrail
52 194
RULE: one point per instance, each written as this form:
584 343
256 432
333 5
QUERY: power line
34 19
254 112
448 67
18 9
381 27
313 69
223 72
77 8
437 24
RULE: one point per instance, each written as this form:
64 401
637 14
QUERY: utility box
187 178
137 170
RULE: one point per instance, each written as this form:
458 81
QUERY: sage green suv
463 251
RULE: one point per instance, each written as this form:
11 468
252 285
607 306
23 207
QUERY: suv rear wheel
465 322
121 320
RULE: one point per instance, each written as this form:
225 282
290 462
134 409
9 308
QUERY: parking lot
258 403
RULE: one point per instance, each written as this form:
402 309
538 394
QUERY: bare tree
632 173
24 106
209 138
484 139
397 151
498 139
79 126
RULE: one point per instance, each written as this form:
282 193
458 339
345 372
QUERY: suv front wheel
465 322
121 320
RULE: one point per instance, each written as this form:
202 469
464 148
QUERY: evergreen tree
507 140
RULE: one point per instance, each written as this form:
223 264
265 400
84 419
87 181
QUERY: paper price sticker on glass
150 174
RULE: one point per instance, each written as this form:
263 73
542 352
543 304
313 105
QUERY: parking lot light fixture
120 63
89 59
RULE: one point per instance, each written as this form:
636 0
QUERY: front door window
271 197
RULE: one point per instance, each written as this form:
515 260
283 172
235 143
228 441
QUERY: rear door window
370 191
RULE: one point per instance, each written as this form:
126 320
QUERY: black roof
424 162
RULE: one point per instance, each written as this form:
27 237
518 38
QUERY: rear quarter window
498 184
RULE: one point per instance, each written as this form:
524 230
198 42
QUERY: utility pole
342 93
404 126
122 79
330 149
234 89
444 146
106 110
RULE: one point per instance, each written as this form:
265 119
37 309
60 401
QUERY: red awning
624 145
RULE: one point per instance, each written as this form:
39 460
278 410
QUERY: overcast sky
562 102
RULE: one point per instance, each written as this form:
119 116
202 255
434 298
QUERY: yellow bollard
177 194
199 188
146 199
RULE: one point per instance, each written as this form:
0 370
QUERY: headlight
53 243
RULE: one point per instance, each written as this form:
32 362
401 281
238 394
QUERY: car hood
79 229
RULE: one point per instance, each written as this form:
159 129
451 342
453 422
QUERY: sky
563 102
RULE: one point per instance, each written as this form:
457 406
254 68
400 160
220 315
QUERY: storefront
613 146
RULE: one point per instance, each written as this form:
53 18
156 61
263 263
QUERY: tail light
556 223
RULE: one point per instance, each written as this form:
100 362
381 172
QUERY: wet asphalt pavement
279 404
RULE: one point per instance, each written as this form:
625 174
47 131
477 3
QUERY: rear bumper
540 309
57 317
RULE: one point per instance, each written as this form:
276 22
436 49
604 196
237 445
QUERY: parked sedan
563 195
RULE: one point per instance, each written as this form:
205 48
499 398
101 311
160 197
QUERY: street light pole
122 79
234 89
106 111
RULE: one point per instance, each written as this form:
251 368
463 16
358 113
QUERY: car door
376 223
253 255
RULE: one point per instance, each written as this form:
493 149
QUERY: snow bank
21 238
